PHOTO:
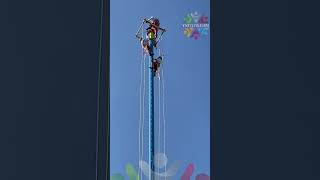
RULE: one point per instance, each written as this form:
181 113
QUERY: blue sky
187 83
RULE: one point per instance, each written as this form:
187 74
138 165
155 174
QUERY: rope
160 38
140 107
143 107
164 123
140 28
163 109
159 126
159 112
141 126
140 103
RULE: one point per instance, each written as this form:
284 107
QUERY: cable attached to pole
159 125
164 122
142 108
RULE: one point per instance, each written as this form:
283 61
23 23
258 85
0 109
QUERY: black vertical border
103 156
216 85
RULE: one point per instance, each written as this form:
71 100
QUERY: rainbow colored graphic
195 25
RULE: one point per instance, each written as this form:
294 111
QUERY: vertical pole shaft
151 115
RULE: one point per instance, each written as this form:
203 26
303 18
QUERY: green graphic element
117 177
188 19
131 172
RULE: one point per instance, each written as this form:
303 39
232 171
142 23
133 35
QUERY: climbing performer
145 45
156 66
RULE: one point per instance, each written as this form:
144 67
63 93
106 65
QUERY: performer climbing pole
153 35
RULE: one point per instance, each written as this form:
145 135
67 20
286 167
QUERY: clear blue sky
187 84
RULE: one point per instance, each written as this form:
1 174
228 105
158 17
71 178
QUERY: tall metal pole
151 98
151 114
